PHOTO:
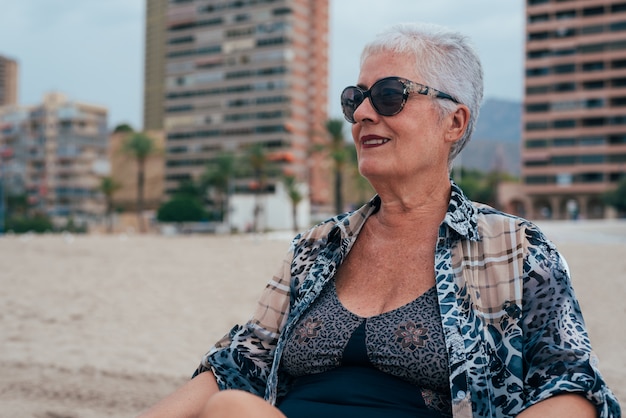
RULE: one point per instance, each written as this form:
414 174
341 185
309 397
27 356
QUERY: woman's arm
186 402
561 406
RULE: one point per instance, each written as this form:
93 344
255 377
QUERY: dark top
393 364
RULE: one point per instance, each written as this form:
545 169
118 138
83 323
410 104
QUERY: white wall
276 214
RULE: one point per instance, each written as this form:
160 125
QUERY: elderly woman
421 303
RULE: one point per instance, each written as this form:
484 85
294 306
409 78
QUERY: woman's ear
458 121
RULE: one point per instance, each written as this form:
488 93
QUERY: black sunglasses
388 96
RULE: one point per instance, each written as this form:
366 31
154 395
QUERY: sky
92 50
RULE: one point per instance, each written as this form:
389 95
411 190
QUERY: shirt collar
462 214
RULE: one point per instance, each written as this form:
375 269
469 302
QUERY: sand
104 326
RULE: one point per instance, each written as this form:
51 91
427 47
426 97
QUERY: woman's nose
365 111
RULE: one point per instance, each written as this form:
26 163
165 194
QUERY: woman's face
403 147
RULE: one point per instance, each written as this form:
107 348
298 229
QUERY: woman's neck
422 207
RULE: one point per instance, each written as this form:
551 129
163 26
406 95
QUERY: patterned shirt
513 327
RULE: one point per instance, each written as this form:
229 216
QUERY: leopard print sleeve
557 352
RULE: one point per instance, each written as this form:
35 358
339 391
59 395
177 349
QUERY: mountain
496 142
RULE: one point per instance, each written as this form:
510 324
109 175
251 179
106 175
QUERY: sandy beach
105 325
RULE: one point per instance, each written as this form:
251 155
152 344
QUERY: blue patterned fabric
513 327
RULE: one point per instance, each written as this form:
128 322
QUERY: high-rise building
247 72
8 81
56 153
154 65
575 106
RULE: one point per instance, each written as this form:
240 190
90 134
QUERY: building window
617 64
618 8
592 159
536 180
588 141
593 85
566 105
534 163
589 122
617 120
617 45
563 160
590 30
537 72
618 158
537 126
281 11
618 26
564 52
565 87
593 11
537 107
618 102
181 40
564 68
594 103
593 66
542 53
564 32
591 178
564 142
564 123
544 17
537 90
566 14
592 48
538 36
617 139
537 143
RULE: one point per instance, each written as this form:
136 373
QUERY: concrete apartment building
243 72
56 153
8 81
575 106
154 65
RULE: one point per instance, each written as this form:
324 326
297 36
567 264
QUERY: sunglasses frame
408 87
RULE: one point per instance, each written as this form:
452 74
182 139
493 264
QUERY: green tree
295 196
337 148
256 158
218 179
140 146
123 127
108 187
480 186
617 197
37 223
181 208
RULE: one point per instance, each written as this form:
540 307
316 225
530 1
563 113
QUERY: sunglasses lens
351 98
388 97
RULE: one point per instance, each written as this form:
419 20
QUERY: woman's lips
369 141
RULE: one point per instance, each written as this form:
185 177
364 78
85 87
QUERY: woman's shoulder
497 222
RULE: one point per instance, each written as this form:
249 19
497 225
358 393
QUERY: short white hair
445 59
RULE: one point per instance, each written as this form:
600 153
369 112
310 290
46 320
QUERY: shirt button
460 394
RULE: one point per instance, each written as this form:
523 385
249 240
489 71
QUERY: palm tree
219 176
339 153
295 196
257 159
108 187
140 146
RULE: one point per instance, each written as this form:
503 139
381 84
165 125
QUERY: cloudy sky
92 50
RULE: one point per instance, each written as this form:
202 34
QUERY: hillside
496 142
